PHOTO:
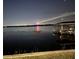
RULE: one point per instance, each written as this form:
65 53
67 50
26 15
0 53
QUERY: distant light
37 23
64 0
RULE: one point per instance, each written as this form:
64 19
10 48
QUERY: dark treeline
29 25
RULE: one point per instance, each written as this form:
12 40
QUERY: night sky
20 12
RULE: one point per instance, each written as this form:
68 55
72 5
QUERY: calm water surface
26 39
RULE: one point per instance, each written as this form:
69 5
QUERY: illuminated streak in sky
63 15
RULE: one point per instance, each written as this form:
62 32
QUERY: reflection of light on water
71 30
37 27
61 37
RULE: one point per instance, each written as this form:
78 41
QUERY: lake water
26 39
